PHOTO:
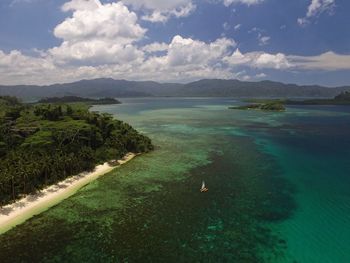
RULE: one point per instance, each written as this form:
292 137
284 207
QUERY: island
341 99
44 144
75 99
269 106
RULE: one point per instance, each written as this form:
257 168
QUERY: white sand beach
31 205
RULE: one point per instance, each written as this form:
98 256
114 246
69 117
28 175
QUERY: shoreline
20 211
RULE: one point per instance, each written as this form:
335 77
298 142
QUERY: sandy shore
31 205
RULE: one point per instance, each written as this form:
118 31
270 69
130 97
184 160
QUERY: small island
343 99
270 106
75 99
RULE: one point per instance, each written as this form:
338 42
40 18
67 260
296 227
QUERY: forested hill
95 88
42 144
236 88
204 88
74 99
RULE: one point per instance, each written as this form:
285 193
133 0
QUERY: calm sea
279 191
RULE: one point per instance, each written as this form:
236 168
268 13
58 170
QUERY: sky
56 41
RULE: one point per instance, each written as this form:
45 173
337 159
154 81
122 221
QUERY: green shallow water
278 191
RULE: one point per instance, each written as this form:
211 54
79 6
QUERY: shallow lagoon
278 191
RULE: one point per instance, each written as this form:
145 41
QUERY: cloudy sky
55 41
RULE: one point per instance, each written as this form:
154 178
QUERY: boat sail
203 189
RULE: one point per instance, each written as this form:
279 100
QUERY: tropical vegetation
44 143
75 99
341 99
270 106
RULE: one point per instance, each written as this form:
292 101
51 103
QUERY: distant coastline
342 99
17 213
97 88
76 99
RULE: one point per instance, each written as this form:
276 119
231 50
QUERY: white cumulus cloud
155 47
189 59
160 10
14 67
98 33
92 20
75 5
258 60
246 2
185 51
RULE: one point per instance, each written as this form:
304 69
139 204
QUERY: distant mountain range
202 88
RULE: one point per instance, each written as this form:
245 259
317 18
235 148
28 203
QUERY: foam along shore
17 213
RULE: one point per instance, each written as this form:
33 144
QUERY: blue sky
299 41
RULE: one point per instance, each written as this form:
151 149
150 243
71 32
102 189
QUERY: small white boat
203 189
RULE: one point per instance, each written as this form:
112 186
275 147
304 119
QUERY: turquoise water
278 191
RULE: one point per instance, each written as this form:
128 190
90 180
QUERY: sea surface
279 191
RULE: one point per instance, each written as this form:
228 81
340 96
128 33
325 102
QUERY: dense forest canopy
73 99
341 99
343 96
269 106
44 143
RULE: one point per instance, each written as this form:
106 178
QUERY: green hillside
42 144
